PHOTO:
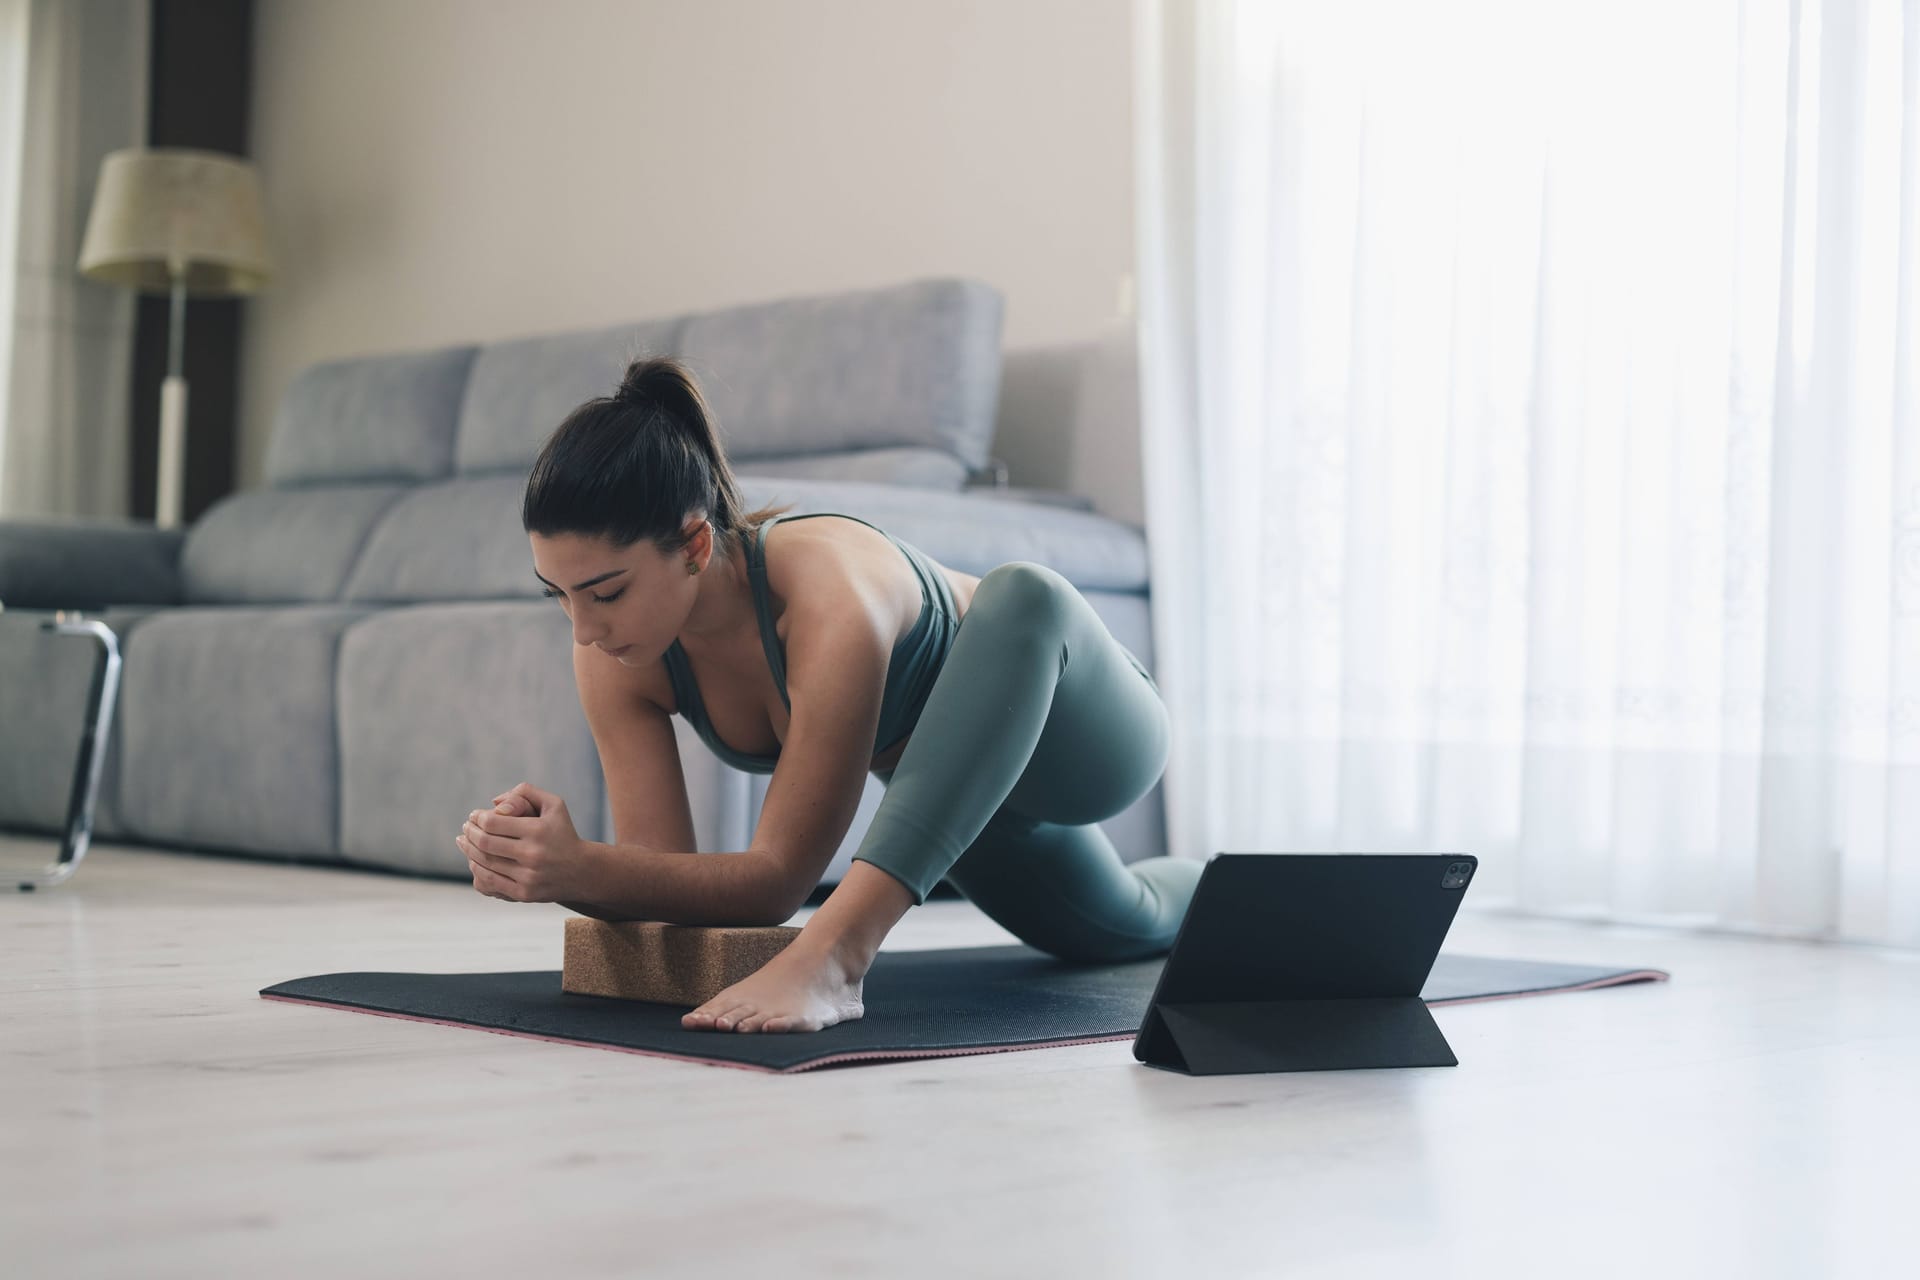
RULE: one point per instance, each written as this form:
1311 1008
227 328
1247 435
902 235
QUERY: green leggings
1039 725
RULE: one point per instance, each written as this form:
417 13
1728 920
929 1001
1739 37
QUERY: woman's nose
585 632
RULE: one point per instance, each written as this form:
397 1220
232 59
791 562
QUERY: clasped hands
525 849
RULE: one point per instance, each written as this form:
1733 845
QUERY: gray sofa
338 666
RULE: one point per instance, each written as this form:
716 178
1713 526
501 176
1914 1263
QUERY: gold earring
692 567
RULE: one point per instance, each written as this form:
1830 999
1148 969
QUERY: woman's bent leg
1065 891
1040 724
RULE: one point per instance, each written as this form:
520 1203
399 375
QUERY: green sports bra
911 670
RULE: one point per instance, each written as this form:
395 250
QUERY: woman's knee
1025 592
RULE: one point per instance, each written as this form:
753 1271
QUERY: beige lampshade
160 210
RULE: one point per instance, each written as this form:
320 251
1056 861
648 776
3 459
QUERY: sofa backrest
910 368
388 470
371 418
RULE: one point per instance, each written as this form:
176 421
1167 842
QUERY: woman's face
629 602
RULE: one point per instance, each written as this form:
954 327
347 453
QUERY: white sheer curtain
73 86
1532 448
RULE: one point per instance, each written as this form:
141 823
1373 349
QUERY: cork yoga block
664 963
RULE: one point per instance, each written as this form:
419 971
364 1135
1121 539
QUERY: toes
710 1015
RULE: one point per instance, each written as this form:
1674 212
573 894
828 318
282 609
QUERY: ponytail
640 463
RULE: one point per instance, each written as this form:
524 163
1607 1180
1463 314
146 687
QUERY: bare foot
798 990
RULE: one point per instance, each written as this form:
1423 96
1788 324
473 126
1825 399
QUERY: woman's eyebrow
582 586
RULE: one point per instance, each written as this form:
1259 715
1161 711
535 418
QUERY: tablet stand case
1305 962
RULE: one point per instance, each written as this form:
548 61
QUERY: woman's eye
609 599
549 592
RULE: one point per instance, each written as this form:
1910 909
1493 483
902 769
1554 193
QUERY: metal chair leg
91 759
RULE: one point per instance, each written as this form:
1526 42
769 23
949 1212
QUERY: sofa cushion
387 417
456 540
520 390
229 729
916 364
974 532
273 545
461 539
443 707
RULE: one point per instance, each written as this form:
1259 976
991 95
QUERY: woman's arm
717 889
642 875
626 882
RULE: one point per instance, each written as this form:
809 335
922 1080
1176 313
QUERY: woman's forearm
738 889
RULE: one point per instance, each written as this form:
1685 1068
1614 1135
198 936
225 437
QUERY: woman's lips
614 653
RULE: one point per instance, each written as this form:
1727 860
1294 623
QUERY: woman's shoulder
822 567
824 542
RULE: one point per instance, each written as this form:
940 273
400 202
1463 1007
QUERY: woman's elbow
774 898
782 908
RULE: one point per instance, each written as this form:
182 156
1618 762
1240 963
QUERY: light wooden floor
1757 1116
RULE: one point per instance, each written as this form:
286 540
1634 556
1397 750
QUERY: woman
1002 716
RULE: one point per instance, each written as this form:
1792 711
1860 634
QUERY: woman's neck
723 611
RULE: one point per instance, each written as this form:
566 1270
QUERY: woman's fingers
534 798
484 850
488 838
499 824
491 884
480 877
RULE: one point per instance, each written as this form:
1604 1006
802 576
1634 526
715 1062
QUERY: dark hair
639 464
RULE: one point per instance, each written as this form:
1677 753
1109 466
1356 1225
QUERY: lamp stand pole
173 412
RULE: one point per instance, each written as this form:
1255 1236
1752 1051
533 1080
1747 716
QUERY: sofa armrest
87 564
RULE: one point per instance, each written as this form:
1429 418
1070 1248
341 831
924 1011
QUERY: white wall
453 170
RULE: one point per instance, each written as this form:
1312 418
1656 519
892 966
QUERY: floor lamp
182 222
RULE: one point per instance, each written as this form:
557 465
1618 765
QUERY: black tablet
1306 962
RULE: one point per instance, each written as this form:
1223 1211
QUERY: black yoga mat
920 1004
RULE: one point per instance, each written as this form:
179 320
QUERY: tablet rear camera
1458 873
